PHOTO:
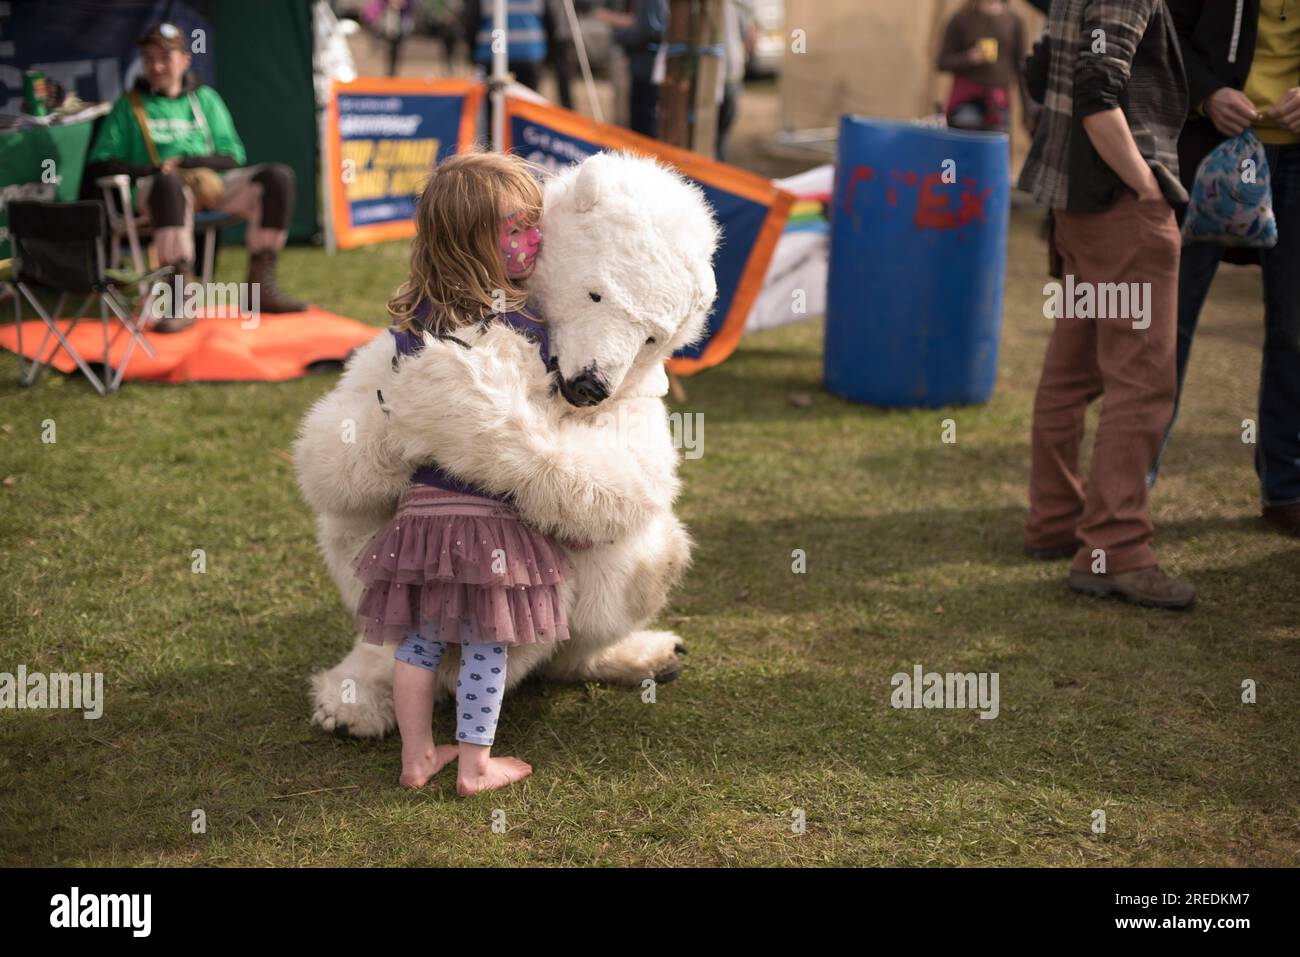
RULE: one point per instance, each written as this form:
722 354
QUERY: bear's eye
595 296
650 341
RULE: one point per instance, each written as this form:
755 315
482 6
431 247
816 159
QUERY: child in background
984 48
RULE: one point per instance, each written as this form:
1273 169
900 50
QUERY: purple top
410 343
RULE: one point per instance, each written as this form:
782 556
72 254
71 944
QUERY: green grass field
913 557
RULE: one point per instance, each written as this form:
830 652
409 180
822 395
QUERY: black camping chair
59 248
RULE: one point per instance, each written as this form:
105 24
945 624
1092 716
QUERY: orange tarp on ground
277 347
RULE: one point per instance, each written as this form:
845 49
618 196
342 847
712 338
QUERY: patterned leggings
479 686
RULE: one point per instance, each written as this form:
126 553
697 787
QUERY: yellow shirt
1276 66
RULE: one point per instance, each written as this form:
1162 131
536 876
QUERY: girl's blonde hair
456 262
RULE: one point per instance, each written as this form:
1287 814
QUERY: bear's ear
552 192
586 188
705 291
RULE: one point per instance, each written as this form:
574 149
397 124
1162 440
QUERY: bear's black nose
584 389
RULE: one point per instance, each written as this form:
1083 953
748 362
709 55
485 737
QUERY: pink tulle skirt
461 568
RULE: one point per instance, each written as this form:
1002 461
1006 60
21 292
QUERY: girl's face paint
520 245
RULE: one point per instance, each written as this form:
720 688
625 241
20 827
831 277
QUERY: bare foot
417 768
490 774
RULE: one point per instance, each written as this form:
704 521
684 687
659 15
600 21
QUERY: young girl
457 564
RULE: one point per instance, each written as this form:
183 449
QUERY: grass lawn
914 557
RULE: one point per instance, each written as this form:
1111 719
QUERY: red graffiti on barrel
934 209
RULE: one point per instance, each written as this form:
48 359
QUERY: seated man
189 128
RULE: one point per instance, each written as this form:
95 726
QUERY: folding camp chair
58 248
127 226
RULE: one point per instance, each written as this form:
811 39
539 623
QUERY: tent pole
499 75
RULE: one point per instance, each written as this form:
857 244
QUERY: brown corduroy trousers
1124 360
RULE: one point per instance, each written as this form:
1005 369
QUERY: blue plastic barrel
918 257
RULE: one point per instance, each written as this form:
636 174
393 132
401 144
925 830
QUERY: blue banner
89 46
383 137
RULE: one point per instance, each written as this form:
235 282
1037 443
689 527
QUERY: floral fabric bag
1231 201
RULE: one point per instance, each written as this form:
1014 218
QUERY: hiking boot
1284 518
1054 552
177 321
261 270
1149 587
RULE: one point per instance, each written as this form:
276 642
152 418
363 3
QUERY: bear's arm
345 455
571 476
603 480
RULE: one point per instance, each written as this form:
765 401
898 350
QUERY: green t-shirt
172 125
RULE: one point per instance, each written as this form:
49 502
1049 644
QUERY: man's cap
166 35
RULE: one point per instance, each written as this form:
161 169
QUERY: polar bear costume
624 279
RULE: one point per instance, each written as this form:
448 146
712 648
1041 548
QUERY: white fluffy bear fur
641 239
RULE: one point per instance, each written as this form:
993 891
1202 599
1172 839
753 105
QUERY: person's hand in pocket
1150 190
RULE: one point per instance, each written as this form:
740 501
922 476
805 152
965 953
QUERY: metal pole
331 167
593 101
500 57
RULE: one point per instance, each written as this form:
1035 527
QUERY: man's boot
1284 518
177 320
261 270
1146 586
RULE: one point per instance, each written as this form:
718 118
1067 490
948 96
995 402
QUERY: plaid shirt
1134 64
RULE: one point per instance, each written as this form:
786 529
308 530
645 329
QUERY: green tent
263 57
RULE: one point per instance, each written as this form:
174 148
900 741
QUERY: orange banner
751 209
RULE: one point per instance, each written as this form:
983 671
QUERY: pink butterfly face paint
519 245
